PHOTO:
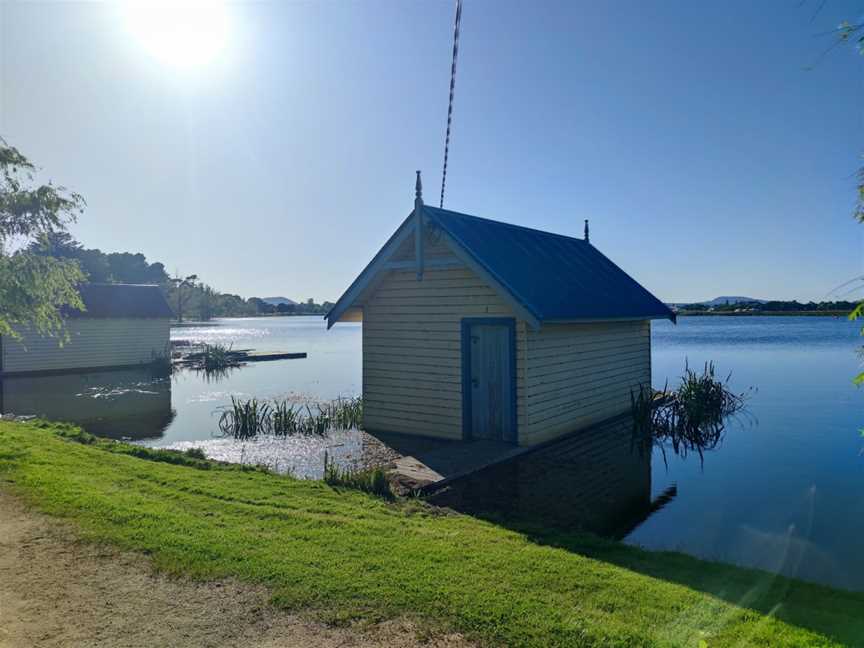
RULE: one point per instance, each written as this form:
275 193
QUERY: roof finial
418 188
587 240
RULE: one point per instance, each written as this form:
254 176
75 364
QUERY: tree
260 306
34 288
61 245
285 309
180 283
205 304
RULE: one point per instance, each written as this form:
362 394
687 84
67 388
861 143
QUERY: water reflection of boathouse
596 480
130 404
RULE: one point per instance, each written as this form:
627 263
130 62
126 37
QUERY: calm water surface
784 492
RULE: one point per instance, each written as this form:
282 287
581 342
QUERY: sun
179 33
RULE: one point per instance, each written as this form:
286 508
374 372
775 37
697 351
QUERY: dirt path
55 591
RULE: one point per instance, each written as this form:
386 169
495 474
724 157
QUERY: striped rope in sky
450 104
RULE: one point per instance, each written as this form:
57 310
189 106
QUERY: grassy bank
346 555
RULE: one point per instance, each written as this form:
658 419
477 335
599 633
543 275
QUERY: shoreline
834 314
344 555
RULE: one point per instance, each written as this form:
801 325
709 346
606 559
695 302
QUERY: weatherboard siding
108 342
412 358
434 248
579 374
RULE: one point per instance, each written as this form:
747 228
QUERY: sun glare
181 33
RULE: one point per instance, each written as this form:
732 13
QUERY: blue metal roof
554 277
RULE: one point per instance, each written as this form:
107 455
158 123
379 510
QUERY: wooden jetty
240 356
264 356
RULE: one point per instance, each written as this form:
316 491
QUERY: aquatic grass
213 361
192 458
372 480
691 418
286 418
317 423
344 413
162 363
217 357
195 453
245 419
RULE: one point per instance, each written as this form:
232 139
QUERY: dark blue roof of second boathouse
127 301
554 277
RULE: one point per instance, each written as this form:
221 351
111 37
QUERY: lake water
787 492
784 491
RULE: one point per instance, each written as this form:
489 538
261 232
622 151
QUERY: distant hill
275 301
731 300
723 300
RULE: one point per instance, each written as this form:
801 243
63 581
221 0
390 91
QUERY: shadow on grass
585 493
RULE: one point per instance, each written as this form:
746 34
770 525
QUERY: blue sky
708 155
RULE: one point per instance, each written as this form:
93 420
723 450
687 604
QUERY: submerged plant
691 418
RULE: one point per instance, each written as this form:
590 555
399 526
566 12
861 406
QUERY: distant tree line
309 307
188 296
775 307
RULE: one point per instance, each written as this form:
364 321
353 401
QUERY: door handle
475 382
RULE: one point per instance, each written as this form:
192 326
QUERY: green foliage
187 296
776 306
193 458
246 419
343 413
115 267
373 480
344 553
34 289
287 418
309 307
217 357
195 453
692 418
856 314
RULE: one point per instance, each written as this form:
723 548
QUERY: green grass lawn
345 555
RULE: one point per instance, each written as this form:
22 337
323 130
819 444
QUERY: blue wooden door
490 373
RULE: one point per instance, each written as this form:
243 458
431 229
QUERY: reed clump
162 363
371 480
691 418
217 357
247 418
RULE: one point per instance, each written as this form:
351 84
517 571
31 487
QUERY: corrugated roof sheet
554 277
122 300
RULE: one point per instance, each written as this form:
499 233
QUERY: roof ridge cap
506 224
